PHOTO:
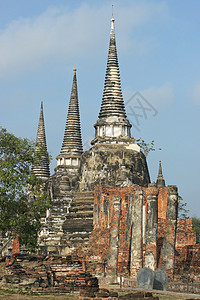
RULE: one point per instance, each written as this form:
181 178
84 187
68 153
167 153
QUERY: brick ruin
104 206
136 227
46 274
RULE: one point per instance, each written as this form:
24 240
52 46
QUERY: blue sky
159 55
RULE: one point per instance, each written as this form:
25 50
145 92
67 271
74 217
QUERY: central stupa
114 158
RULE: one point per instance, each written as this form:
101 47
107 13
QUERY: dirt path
163 295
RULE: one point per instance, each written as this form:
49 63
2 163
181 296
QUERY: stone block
160 280
145 278
138 295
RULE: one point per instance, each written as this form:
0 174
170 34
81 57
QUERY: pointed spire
72 142
112 101
112 125
41 169
160 179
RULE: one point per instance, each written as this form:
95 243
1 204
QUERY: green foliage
23 197
196 227
6 291
146 147
182 210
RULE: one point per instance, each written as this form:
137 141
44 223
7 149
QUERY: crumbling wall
127 217
117 225
46 274
119 210
186 249
187 259
185 234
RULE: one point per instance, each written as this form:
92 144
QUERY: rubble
47 274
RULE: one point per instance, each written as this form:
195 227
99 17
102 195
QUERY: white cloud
196 93
63 34
160 96
156 96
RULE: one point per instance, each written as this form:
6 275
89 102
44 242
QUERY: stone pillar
151 230
16 245
114 237
168 249
95 216
136 262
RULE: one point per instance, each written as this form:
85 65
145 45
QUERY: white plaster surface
134 147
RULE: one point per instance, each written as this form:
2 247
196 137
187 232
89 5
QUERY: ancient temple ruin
103 196
114 160
103 202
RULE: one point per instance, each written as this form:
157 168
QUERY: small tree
182 210
23 197
146 147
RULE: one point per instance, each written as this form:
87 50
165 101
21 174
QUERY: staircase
6 246
79 221
52 232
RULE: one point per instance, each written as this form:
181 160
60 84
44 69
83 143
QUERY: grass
18 295
164 297
4 291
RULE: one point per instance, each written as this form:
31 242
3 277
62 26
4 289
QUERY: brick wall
129 234
136 227
185 235
187 260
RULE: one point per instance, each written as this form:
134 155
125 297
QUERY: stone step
78 235
80 199
78 240
81 207
84 198
79 221
80 215
55 211
86 194
79 225
83 204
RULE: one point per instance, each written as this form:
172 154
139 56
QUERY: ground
7 293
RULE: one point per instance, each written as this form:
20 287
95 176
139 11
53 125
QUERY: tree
23 197
182 210
196 227
146 147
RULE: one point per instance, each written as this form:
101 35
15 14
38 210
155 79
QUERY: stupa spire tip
160 179
112 19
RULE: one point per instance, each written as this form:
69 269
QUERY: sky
158 46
